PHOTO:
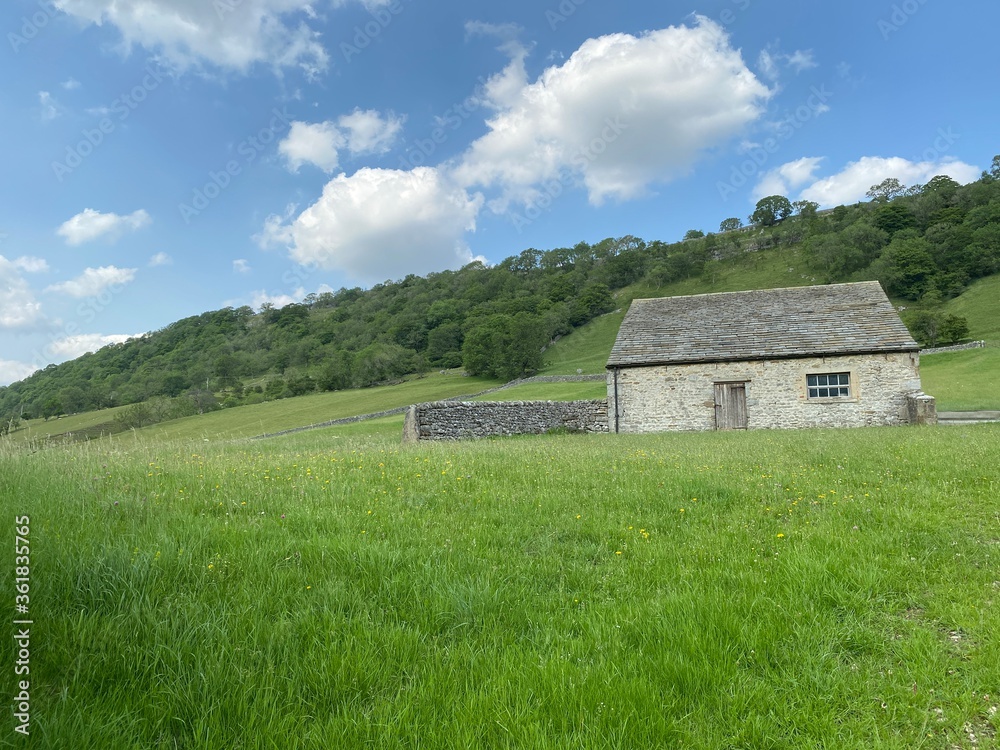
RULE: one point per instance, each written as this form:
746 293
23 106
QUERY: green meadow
334 589
192 587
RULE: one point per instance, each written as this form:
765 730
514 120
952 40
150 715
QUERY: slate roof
786 323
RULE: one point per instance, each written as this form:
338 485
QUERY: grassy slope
980 304
810 589
90 421
274 416
550 392
964 381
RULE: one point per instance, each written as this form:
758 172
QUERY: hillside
925 246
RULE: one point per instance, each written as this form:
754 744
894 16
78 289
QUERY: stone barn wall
682 397
455 420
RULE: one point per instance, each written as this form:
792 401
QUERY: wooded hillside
923 243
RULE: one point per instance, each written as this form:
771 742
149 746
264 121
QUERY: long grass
331 590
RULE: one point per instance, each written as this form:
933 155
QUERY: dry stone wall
455 420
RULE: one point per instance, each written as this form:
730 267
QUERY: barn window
829 385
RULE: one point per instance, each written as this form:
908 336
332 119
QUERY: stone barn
817 356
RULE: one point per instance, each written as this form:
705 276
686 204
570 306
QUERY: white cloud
800 59
788 177
90 225
160 259
381 222
19 310
261 297
30 264
231 34
370 133
853 181
71 347
11 372
241 265
70 84
50 109
93 281
770 61
767 65
621 113
316 144
361 132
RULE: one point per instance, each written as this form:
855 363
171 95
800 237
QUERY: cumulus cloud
241 265
90 225
19 310
70 84
93 281
368 132
380 219
361 132
160 259
71 347
788 177
230 34
11 371
853 181
621 113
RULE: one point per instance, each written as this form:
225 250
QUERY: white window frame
823 384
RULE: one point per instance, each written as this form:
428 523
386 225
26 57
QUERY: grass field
980 305
285 414
550 392
334 590
962 381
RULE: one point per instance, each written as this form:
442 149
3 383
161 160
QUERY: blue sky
167 157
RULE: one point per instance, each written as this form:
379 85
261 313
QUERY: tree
52 407
770 210
505 346
730 224
693 234
894 218
994 171
906 267
933 328
942 184
806 209
886 190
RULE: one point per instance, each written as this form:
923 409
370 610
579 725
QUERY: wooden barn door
730 406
